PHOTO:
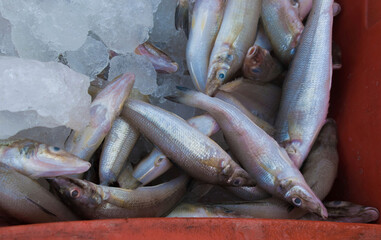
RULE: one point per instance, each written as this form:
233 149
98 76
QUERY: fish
304 8
195 153
261 39
228 98
93 201
341 211
116 148
319 169
159 59
156 163
259 154
283 27
182 16
36 159
306 89
321 166
338 211
206 22
236 35
262 100
260 66
126 179
103 110
27 201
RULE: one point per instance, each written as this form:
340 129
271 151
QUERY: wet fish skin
206 22
93 201
37 160
228 98
258 153
260 66
262 100
249 193
306 89
25 200
156 163
160 60
116 148
261 39
103 111
236 35
304 8
188 148
283 27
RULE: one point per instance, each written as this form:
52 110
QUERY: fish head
237 176
300 195
218 72
50 161
76 193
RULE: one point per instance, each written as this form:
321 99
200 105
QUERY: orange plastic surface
195 229
356 106
356 102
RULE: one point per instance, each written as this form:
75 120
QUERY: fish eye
74 193
158 161
54 149
221 75
292 51
295 3
237 182
297 201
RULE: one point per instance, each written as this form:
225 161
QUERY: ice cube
145 74
34 93
122 25
6 46
90 59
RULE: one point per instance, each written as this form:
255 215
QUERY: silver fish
283 27
160 60
236 35
37 160
93 201
27 201
188 148
206 21
103 111
116 148
306 89
258 153
156 163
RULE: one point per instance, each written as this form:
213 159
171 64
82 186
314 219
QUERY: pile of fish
263 75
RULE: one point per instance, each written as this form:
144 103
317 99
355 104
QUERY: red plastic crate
356 106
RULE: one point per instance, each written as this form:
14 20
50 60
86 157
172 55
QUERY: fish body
305 95
236 35
126 179
27 201
160 60
103 110
258 153
206 21
262 100
116 148
93 201
187 147
283 27
37 160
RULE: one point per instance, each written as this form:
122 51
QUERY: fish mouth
54 169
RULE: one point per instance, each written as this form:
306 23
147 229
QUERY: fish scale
305 97
197 154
